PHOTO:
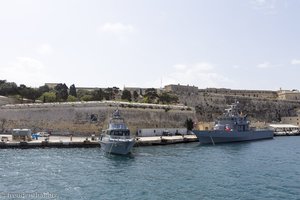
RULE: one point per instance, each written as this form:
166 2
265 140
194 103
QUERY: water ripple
256 170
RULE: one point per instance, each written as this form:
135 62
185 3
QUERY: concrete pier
52 141
164 140
87 142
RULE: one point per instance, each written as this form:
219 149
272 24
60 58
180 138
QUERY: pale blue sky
238 44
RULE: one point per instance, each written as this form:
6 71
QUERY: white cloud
264 65
45 49
201 74
260 2
117 28
24 70
267 6
295 62
180 67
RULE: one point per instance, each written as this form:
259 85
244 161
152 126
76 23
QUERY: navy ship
116 139
232 127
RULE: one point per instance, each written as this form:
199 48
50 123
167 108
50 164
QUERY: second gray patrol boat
232 127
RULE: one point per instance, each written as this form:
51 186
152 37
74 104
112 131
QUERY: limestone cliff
208 106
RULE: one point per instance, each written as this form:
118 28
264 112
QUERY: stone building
204 126
90 89
291 120
51 85
289 95
267 94
181 88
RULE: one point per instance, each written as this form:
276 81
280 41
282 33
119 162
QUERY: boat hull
218 136
122 147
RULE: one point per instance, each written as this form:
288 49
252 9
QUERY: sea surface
268 169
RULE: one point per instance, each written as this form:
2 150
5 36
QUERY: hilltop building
51 85
267 94
289 95
181 88
293 95
89 88
291 120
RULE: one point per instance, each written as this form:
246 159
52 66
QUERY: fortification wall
6 100
87 118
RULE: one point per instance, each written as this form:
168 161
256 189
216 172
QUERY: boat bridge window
118 126
120 132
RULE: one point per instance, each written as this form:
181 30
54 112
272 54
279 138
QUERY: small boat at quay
116 139
285 129
232 127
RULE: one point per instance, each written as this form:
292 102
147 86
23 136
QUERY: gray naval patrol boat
116 139
232 127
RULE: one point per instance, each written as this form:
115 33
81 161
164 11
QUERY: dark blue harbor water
267 169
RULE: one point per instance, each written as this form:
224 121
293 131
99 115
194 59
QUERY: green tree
61 92
98 95
150 95
116 90
81 93
8 88
126 95
110 93
28 93
87 97
23 91
135 96
168 98
71 98
43 89
48 97
189 124
73 91
33 94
